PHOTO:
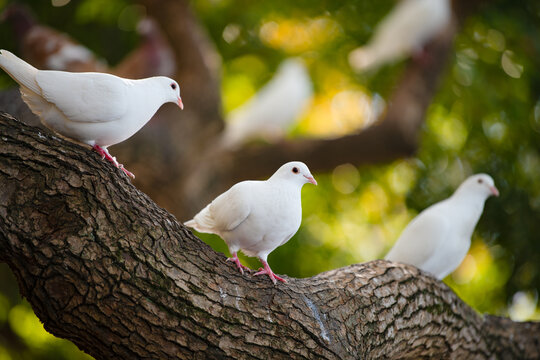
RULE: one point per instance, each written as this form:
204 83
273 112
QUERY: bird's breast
278 208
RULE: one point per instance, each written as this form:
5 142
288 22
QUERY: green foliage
484 118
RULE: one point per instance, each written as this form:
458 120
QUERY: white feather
438 239
273 109
405 30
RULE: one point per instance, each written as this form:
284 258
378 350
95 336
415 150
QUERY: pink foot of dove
239 265
269 272
105 155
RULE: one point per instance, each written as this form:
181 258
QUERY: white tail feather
19 70
202 222
191 223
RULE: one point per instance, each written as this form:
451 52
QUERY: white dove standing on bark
408 27
438 239
257 216
94 108
273 109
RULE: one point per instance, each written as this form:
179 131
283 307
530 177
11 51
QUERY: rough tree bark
106 268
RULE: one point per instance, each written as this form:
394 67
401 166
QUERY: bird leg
105 155
269 272
239 265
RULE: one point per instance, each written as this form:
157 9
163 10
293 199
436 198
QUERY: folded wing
85 97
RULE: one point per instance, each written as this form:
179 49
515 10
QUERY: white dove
257 216
408 27
273 109
94 108
438 239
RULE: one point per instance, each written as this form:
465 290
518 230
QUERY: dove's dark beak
311 179
180 103
494 190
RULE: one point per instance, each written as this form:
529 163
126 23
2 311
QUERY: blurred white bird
438 239
404 31
273 109
257 216
94 108
47 48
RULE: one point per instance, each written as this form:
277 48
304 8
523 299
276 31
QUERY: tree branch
106 268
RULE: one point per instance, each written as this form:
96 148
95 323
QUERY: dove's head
171 90
295 171
479 184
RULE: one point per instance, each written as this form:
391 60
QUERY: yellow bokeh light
524 306
374 202
296 36
475 265
449 129
337 113
466 271
236 90
401 177
345 178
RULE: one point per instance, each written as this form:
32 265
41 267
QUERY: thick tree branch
105 267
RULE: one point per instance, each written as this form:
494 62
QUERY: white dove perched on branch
273 109
438 239
257 216
94 108
408 27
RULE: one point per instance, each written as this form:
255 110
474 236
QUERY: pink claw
269 272
239 265
105 155
126 171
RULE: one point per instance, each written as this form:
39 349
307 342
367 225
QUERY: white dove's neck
151 94
285 183
470 201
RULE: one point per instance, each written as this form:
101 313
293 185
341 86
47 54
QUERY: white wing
403 31
421 238
412 22
226 212
274 108
85 97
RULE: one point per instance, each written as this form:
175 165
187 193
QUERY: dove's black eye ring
480 181
173 86
295 170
